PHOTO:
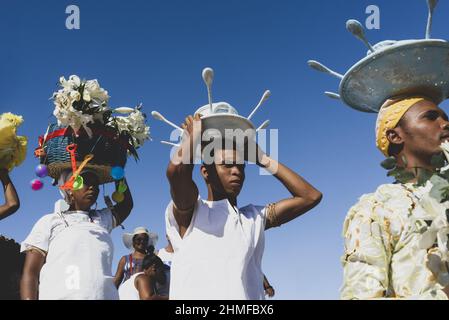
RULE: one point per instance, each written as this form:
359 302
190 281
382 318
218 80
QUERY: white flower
95 92
394 197
75 81
432 207
134 124
75 95
86 96
439 228
92 96
438 231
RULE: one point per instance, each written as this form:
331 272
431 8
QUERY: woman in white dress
69 252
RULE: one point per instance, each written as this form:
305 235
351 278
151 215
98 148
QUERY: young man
385 252
142 285
12 202
218 247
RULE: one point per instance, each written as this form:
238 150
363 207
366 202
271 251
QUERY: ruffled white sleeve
370 245
367 254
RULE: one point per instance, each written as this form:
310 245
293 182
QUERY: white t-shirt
79 255
128 290
220 255
165 256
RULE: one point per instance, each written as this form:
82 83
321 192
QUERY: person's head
226 175
152 265
140 242
85 197
413 127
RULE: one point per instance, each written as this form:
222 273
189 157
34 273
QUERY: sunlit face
227 175
424 127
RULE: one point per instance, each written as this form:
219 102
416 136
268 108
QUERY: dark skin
140 245
12 203
418 137
169 247
82 200
146 282
225 181
269 290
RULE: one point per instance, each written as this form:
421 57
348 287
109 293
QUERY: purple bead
41 171
36 184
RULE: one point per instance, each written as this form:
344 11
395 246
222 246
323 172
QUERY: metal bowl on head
397 69
224 119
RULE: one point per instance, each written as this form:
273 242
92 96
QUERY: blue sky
153 52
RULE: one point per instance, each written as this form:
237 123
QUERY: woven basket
107 148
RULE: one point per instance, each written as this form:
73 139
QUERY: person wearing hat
218 247
12 203
69 252
141 243
385 256
143 285
396 237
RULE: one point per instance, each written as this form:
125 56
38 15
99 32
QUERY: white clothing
389 250
165 256
79 255
128 290
220 255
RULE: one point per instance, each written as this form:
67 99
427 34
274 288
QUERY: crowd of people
396 238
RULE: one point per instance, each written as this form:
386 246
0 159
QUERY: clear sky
153 52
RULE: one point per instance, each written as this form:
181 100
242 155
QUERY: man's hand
191 138
269 292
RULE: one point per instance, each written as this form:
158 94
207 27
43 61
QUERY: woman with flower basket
69 252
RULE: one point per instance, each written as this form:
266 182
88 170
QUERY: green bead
118 197
78 183
122 187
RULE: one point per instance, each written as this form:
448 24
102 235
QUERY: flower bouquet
432 191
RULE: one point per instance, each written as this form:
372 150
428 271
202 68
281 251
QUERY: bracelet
271 215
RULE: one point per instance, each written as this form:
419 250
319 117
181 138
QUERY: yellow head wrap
388 118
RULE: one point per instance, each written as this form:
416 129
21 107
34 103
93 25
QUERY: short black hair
150 260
